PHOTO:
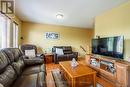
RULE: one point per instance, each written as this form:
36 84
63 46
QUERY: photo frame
52 35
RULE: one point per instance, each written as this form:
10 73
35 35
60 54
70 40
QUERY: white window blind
15 35
8 32
3 27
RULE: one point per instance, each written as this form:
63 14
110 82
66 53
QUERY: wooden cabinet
87 59
121 76
49 57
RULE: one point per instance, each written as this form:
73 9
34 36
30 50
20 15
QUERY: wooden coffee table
79 76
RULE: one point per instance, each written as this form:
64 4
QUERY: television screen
109 46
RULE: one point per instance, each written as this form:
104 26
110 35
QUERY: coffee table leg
73 82
94 80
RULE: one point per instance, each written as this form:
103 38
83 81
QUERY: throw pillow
59 51
30 53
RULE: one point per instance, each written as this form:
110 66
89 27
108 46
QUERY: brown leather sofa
15 72
68 54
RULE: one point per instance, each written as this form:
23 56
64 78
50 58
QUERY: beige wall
35 34
115 22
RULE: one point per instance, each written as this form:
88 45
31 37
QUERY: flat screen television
109 46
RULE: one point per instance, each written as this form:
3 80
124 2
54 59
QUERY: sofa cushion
34 69
67 52
62 56
3 61
17 53
26 81
71 55
33 61
33 80
67 48
9 54
18 66
13 53
8 76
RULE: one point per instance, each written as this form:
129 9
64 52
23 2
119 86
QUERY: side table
49 57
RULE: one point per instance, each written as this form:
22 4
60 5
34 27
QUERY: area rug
59 80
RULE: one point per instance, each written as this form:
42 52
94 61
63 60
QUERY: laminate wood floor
49 77
50 80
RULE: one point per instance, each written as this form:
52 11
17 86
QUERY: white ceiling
77 13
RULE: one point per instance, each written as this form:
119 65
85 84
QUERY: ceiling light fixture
59 16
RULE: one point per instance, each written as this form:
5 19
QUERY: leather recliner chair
30 47
38 57
68 54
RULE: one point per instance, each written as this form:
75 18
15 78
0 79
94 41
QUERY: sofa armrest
76 54
25 57
34 61
55 58
40 55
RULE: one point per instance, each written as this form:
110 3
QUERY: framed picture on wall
51 35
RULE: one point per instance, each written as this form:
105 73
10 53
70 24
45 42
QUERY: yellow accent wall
69 36
114 23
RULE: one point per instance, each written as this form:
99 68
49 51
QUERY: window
0 36
15 35
1 25
8 32
3 30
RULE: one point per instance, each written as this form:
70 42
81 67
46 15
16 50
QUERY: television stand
117 72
